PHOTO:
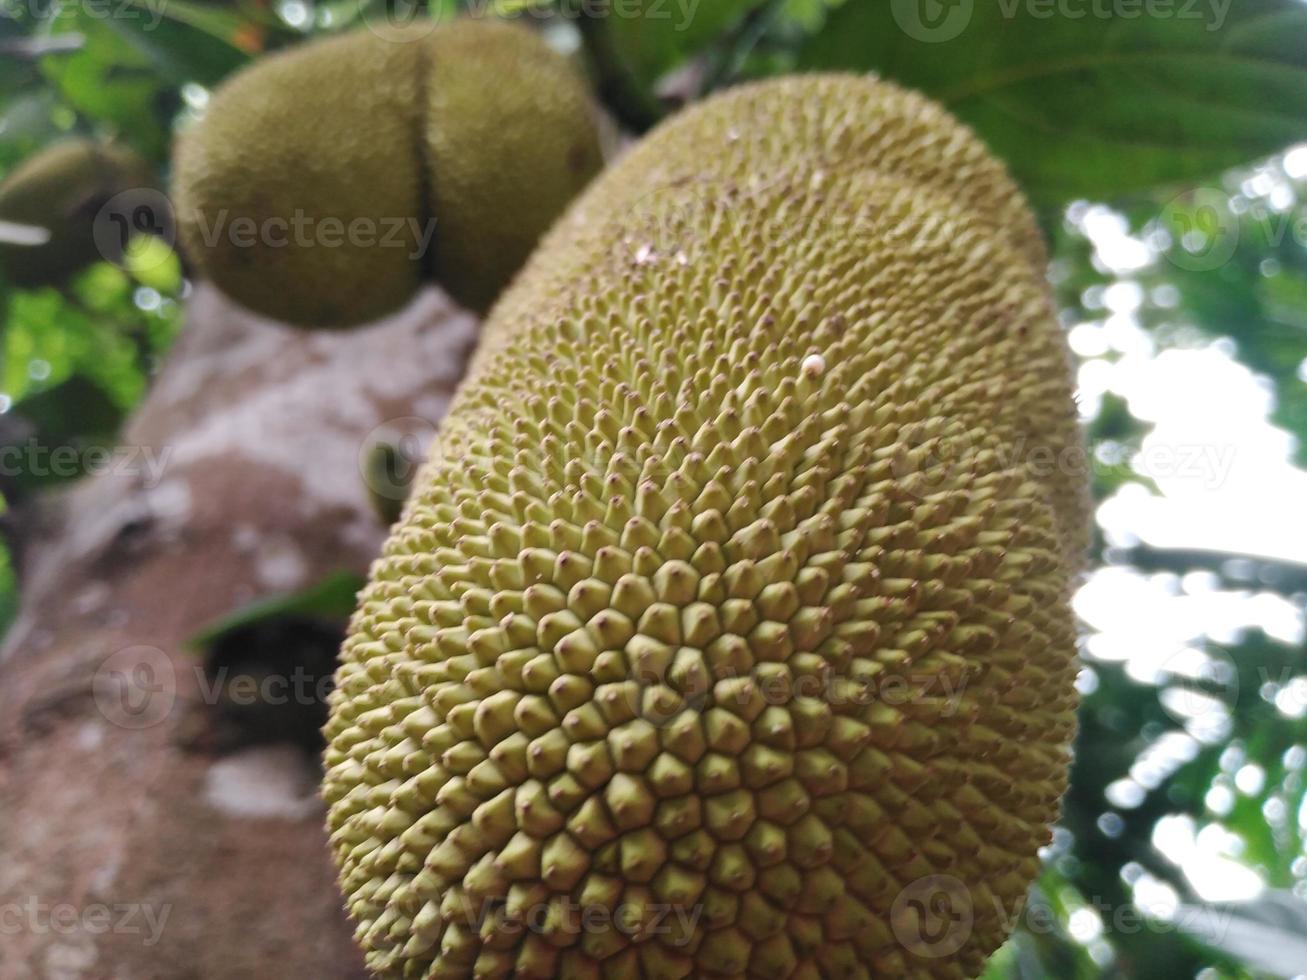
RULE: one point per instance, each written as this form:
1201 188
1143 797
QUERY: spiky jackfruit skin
732 606
63 189
326 183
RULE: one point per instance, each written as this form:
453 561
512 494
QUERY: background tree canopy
1156 138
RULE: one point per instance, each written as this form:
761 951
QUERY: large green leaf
1093 99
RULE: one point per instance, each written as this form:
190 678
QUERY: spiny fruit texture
727 631
325 184
63 189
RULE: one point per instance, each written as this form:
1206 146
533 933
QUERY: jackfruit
63 190
325 184
727 630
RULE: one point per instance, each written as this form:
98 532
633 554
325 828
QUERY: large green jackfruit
727 630
326 183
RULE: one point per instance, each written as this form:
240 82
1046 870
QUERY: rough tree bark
127 854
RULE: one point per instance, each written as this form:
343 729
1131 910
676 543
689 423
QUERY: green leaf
220 23
112 83
44 327
182 42
334 597
1095 105
648 39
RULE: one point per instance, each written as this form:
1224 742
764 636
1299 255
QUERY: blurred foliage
1163 117
1093 105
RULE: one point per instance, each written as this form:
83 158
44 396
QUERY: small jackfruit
727 630
326 183
62 190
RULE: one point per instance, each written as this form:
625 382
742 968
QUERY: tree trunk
127 853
